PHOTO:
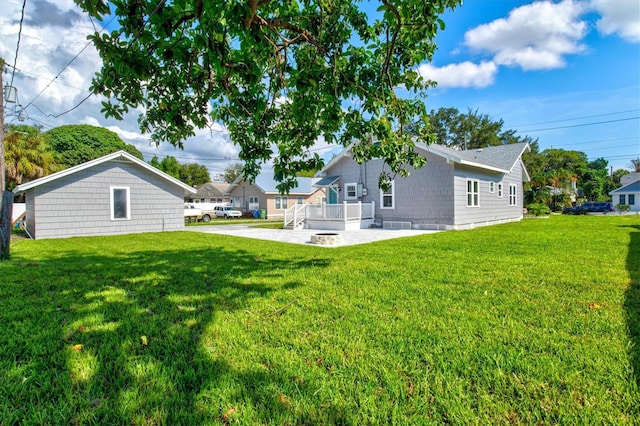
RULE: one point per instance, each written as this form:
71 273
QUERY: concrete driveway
303 236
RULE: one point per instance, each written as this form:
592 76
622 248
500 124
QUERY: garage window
120 202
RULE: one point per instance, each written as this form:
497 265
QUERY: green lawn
535 322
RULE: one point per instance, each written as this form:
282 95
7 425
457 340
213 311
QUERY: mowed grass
535 322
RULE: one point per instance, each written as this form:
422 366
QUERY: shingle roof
500 157
632 187
211 190
116 156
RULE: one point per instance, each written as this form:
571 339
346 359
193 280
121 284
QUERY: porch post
359 210
344 212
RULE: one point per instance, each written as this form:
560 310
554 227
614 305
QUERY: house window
321 200
120 203
513 195
500 190
623 199
632 199
387 198
281 203
300 200
473 195
350 191
254 202
492 188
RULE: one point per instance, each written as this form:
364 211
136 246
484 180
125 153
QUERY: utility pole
2 166
6 203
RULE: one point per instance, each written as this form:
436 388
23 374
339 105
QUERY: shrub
623 207
538 209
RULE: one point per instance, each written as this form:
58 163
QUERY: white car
227 212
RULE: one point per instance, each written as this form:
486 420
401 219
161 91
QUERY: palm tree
26 156
635 164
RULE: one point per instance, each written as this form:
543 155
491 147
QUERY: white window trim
254 202
112 200
513 195
393 197
475 195
278 203
492 187
500 190
346 191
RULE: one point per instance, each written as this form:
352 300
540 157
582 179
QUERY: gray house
114 194
455 190
629 193
263 194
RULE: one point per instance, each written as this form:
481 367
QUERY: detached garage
114 194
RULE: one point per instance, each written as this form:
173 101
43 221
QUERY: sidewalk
303 236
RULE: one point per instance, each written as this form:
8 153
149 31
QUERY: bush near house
536 322
538 209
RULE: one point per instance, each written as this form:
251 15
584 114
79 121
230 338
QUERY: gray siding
492 208
435 196
424 198
79 204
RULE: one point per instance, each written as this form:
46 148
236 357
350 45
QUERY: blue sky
562 66
550 69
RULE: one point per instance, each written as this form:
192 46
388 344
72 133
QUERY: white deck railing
346 212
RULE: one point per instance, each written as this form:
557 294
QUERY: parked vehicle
590 207
227 212
193 213
200 212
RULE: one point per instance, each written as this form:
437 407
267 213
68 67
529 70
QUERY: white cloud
620 17
535 36
465 74
53 33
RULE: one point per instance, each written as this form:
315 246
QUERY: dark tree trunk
6 209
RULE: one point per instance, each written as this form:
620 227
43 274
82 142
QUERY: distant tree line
31 153
553 172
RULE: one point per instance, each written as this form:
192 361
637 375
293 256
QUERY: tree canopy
27 157
193 174
232 172
78 143
471 130
277 74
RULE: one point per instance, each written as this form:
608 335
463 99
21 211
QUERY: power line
577 118
197 158
579 125
153 12
601 140
15 60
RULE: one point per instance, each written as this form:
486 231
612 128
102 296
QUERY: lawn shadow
632 302
116 337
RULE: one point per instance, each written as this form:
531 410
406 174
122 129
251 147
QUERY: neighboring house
114 194
629 195
455 190
212 192
263 195
571 191
630 178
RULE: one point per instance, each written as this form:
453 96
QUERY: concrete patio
303 236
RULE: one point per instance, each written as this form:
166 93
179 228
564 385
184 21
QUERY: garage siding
79 204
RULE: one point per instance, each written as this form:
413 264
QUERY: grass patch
222 221
535 322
